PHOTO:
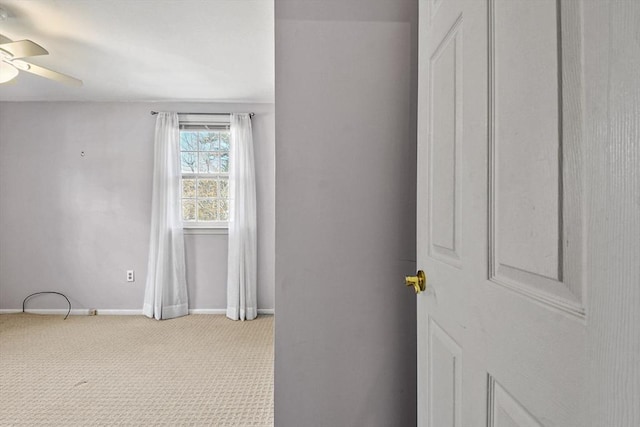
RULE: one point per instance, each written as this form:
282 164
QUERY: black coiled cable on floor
48 292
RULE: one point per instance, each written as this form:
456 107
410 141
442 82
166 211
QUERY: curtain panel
242 261
166 286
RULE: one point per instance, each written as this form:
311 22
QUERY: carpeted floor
130 370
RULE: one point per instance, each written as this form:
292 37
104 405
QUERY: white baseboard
207 311
116 312
106 312
224 311
74 312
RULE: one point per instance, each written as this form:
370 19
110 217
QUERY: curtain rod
153 113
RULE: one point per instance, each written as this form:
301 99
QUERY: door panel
505 411
445 379
445 86
526 141
536 236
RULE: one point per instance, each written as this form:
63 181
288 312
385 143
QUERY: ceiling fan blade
50 74
23 48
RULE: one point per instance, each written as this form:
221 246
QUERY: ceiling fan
11 62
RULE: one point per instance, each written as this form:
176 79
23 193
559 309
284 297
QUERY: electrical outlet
130 276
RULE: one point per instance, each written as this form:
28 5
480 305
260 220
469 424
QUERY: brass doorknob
419 281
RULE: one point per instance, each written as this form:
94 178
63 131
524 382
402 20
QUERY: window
204 153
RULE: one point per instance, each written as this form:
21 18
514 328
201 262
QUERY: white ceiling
146 50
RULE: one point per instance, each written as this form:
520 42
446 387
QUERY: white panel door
528 190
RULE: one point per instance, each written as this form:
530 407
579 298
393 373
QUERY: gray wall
346 83
75 224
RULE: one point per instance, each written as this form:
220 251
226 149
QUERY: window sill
188 231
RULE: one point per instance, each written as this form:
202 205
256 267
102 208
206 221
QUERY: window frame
205 122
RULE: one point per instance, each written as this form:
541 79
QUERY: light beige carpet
130 370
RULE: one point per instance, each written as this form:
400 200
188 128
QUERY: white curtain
166 289
242 263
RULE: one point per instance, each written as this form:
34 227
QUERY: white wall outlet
130 276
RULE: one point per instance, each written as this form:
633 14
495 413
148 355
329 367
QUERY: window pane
188 210
207 210
224 162
188 141
224 141
209 163
207 188
208 141
223 188
189 161
188 188
223 210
